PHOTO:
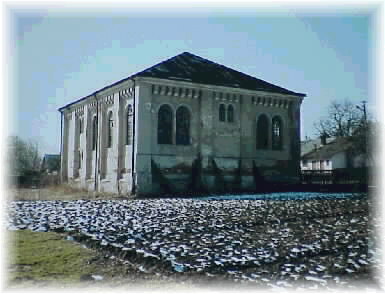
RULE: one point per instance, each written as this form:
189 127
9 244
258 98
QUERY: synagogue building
182 124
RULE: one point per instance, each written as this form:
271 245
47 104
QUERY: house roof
195 69
51 162
311 144
328 150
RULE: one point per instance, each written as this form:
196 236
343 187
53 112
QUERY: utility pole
363 108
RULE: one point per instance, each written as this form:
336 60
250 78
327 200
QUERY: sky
58 58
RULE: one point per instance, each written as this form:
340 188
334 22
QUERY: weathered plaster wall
225 142
103 169
110 169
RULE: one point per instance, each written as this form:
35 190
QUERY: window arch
182 126
276 135
165 120
110 126
222 112
262 132
94 132
129 125
230 113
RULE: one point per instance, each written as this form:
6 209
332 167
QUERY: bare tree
23 155
342 120
349 120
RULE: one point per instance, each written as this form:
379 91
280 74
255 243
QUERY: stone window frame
169 130
230 118
81 125
178 139
94 132
129 122
80 157
262 136
110 125
222 112
277 133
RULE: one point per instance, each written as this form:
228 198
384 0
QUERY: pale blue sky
61 58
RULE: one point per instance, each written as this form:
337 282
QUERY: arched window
276 136
165 120
129 125
94 132
222 112
230 113
110 126
182 126
262 132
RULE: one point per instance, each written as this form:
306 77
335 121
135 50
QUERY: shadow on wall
197 182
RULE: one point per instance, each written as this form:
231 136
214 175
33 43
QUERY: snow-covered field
296 243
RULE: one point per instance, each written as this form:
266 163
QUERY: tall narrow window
262 132
129 125
222 112
80 159
165 120
94 132
276 138
110 126
182 126
230 113
80 125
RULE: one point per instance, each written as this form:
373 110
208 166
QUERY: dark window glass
165 120
222 112
182 126
276 133
94 133
129 125
80 126
80 159
230 113
262 132
110 126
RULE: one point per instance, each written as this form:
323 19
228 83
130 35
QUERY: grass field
48 260
43 258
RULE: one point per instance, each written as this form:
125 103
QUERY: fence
335 176
35 180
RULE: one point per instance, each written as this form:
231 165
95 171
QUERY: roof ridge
200 71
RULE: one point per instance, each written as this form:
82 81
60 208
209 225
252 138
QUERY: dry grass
57 192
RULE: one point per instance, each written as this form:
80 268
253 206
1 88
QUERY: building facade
151 127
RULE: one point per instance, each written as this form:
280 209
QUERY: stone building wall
110 169
224 142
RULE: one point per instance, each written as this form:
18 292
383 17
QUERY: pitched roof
192 68
328 150
195 69
51 162
311 144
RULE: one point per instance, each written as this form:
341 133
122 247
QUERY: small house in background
51 164
309 145
329 154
